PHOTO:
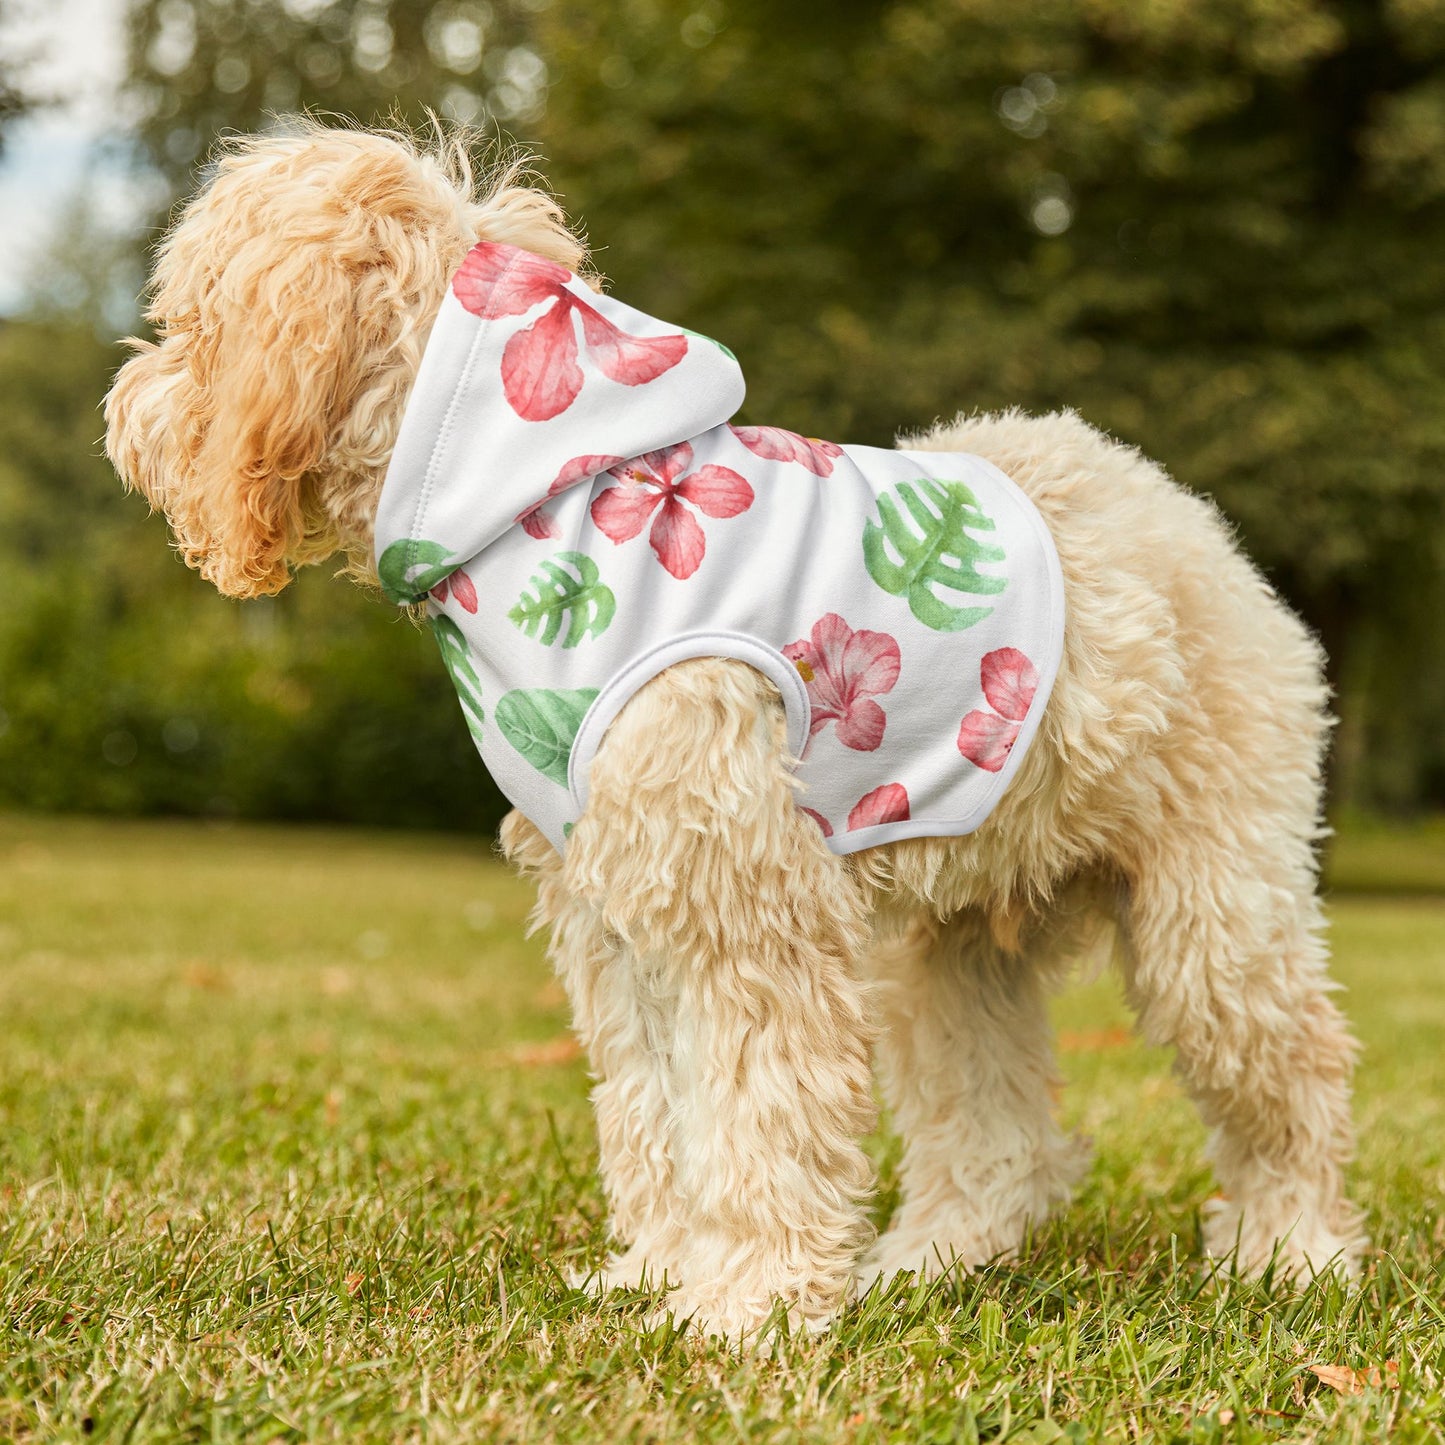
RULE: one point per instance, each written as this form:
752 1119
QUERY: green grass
1372 856
285 1154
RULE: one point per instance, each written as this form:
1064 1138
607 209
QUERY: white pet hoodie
568 493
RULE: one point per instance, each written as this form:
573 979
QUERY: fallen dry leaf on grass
560 1050
335 982
1095 1042
202 975
551 995
1347 1381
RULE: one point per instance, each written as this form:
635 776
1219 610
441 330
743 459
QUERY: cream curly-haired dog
729 975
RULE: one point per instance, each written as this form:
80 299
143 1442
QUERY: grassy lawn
293 1146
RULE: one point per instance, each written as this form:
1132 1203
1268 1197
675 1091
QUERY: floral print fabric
572 495
1009 682
775 444
888 804
541 376
844 671
661 482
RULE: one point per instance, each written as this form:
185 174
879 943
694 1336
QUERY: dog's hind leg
694 854
1225 961
966 1060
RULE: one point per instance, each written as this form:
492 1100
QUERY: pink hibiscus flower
656 483
461 587
535 520
1010 681
819 819
775 444
540 372
888 804
844 671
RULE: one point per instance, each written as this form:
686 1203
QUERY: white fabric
539 433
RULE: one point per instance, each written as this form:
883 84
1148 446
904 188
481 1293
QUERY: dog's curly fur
729 976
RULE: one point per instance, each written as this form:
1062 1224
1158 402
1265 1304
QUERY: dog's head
291 302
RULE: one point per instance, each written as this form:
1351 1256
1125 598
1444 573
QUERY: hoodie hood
531 384
568 500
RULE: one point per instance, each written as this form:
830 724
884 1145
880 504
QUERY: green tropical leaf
702 336
458 659
542 723
580 598
410 568
931 550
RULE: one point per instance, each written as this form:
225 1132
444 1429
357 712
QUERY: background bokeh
1214 227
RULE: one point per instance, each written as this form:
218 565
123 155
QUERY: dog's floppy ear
276 354
222 421
284 283
143 416
292 302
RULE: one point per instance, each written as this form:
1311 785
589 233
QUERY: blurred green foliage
128 686
1214 227
15 98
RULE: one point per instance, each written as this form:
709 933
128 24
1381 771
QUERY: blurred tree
1217 229
127 685
15 98
202 67
135 688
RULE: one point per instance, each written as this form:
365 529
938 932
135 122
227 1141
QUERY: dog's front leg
741 931
622 1012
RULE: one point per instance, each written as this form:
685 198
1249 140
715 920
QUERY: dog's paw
1299 1245
906 1253
632 1270
753 1324
958 1242
967 1227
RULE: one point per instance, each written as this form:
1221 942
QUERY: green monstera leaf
542 723
555 595
702 336
464 677
410 568
931 551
